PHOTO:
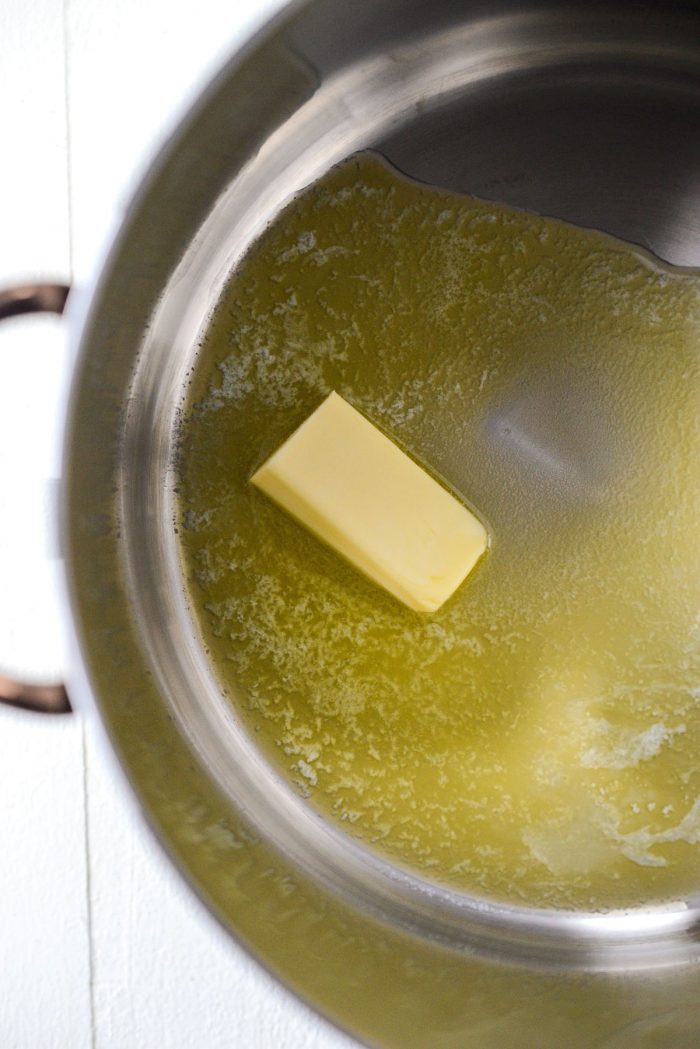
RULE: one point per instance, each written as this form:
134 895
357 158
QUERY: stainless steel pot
587 112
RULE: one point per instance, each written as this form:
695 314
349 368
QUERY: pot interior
589 115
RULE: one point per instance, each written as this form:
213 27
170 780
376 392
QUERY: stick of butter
351 486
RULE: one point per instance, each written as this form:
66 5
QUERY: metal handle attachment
33 298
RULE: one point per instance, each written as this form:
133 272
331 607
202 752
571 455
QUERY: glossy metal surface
589 113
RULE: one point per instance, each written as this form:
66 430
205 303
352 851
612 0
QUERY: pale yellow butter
350 485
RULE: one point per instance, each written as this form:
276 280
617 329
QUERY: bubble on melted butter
538 739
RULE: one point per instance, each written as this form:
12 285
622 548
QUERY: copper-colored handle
48 699
33 298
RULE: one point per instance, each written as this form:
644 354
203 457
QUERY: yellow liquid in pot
538 739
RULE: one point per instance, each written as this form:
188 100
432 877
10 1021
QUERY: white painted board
101 944
44 971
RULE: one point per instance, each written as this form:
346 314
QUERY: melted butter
537 740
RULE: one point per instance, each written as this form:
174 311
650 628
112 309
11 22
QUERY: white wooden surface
101 945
